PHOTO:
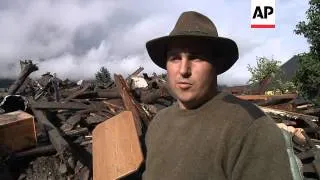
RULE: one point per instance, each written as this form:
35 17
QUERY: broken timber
128 101
60 144
74 95
27 69
57 105
309 120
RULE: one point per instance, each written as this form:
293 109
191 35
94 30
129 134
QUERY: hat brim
225 50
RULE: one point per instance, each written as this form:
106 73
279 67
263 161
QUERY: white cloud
77 37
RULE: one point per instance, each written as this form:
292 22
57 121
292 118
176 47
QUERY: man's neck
196 104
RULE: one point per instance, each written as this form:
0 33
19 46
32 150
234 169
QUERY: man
208 134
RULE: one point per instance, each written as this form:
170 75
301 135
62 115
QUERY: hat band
191 32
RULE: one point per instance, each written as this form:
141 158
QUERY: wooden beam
59 143
17 130
128 101
310 120
37 151
135 73
77 93
57 105
267 97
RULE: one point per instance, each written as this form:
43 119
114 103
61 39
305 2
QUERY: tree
265 68
307 77
103 75
310 28
269 71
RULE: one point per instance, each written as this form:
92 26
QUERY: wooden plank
266 97
21 122
116 148
310 120
57 105
128 101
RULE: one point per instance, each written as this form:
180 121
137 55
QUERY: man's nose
185 67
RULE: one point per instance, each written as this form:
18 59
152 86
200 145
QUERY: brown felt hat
195 25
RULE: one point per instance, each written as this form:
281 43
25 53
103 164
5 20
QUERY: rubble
66 114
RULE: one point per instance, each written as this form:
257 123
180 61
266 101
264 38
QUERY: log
108 94
28 68
307 119
266 97
95 119
135 73
26 84
21 122
74 95
57 105
71 122
60 144
310 120
151 97
312 111
37 151
77 132
113 106
68 91
75 119
99 94
274 101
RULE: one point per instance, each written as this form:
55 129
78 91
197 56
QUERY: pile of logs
46 125
57 117
301 119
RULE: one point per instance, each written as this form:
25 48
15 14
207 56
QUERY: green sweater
226 138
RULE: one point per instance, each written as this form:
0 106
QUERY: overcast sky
74 38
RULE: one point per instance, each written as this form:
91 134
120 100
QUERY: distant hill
5 83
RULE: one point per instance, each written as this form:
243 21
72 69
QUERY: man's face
191 77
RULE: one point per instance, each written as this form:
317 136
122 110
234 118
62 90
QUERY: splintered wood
116 148
17 130
128 101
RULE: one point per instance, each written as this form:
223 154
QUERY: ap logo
263 14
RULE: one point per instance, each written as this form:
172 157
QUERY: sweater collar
201 108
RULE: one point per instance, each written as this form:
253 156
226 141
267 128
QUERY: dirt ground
41 168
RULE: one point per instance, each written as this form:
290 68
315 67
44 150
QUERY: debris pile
65 114
300 118
47 124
